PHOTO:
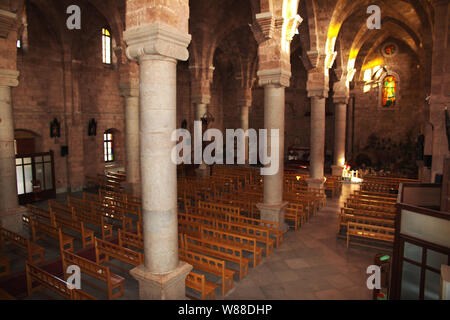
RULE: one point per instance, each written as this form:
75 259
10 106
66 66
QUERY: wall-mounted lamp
207 118
55 129
92 127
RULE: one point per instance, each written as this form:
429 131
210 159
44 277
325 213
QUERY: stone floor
312 263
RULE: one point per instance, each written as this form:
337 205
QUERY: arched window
389 93
108 146
106 46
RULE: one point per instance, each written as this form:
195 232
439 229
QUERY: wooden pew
372 193
345 218
246 243
95 211
57 208
370 232
258 234
371 202
372 198
218 250
209 265
111 250
87 235
272 227
113 281
351 212
4 266
34 252
130 240
292 215
198 283
6 296
218 207
38 213
371 207
46 280
82 215
193 229
65 241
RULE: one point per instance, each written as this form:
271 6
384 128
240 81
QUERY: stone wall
400 123
41 96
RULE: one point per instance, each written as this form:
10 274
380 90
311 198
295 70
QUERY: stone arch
27 141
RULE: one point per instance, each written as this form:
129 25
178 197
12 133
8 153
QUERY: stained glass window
389 50
389 91
108 146
106 46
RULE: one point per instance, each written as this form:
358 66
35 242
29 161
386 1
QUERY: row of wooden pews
369 216
384 184
220 230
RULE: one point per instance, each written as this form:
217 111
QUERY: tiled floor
312 263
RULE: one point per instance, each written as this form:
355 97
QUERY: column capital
244 97
341 92
279 76
319 92
340 99
318 83
8 23
157 39
201 99
9 78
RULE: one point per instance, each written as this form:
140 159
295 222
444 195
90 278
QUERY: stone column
340 118
158 47
10 212
244 101
273 206
201 78
200 110
316 178
131 95
244 126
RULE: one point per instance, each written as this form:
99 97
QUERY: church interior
347 99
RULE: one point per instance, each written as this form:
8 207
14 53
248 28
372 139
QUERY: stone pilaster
157 47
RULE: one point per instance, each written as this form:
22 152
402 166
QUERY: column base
315 183
11 219
337 170
169 286
275 213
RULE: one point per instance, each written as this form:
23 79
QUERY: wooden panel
25 146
